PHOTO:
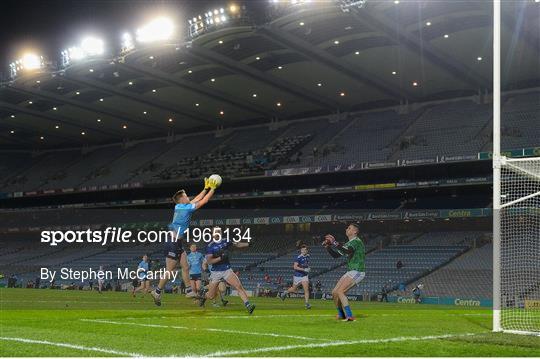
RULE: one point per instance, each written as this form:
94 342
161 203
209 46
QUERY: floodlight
159 29
31 61
75 53
92 46
127 42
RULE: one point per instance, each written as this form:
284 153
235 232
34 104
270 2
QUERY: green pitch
73 323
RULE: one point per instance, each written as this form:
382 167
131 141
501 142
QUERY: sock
246 303
158 290
348 311
340 312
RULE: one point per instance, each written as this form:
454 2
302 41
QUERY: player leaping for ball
355 252
218 257
301 270
183 210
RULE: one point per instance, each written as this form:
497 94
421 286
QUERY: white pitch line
275 335
270 316
73 346
338 343
229 316
251 316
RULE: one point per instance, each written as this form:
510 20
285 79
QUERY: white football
216 178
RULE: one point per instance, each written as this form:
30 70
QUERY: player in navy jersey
222 286
301 277
142 275
217 255
174 253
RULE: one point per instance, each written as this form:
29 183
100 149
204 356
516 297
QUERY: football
216 178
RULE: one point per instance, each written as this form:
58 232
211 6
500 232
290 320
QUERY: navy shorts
173 249
195 276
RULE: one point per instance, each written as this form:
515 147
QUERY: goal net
519 216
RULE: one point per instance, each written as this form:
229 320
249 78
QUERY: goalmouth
516 223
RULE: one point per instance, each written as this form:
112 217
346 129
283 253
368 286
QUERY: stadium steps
423 275
487 129
81 179
381 264
394 144
134 174
37 256
282 161
320 139
468 274
30 170
43 182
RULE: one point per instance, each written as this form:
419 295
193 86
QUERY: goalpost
516 223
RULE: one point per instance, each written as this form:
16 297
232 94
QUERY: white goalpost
516 223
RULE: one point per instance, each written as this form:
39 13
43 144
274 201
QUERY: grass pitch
74 323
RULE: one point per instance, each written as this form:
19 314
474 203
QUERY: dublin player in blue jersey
195 261
301 277
217 255
174 253
142 275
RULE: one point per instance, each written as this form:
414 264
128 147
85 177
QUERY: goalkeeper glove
330 240
307 270
206 183
212 184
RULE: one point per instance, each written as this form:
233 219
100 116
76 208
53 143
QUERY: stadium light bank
29 62
89 47
162 29
215 19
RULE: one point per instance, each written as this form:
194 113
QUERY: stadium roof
313 60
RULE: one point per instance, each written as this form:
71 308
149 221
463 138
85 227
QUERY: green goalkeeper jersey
356 261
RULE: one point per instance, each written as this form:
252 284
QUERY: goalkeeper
355 252
174 253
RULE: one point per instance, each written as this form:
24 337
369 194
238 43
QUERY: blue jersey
303 262
195 260
143 269
182 217
217 249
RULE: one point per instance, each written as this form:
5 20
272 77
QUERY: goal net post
517 231
516 223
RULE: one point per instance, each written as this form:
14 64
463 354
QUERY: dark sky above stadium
48 26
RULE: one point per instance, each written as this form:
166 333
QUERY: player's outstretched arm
201 195
205 199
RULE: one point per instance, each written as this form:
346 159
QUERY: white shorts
356 276
216 276
297 280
